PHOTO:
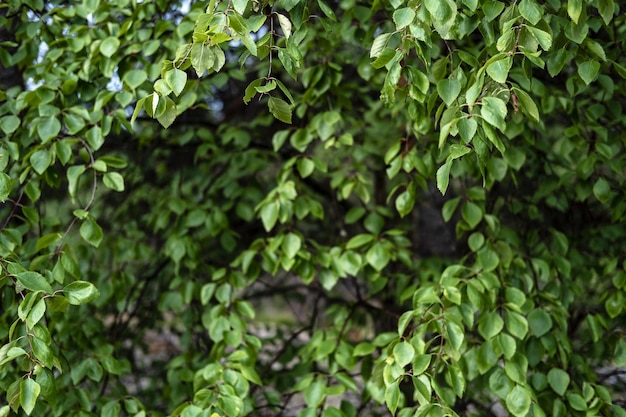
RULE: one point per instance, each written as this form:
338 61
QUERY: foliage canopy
312 207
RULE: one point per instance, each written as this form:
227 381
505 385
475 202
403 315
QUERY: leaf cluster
306 207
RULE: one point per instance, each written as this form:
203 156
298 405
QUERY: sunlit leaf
80 292
29 392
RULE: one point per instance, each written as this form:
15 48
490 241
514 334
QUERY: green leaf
531 11
378 256
285 91
576 401
467 128
80 292
404 321
474 90
300 140
91 232
279 139
403 17
539 322
41 160
602 190
202 58
516 324
48 128
449 207
558 380
443 177
385 57
472 214
176 79
74 123
422 362
515 296
499 70
285 25
10 354
251 91
614 305
620 353
33 281
493 110
134 78
351 262
246 39
280 109
588 71
347 381
114 181
138 106
169 114
109 46
490 324
305 167
112 409
73 173
29 392
497 168
42 352
449 89
379 44
291 245
619 69
269 214
514 371
518 401
426 295
9 124
403 353
475 241
456 335
81 214
95 138
152 104
492 9
240 6
507 344
269 86
595 48
606 9
5 186
327 10
405 202
544 38
453 294
441 10
392 396
359 240
206 293
457 151
556 62
444 132
36 313
574 9
47 240
63 150
506 42
527 105
314 393
251 375
471 4
364 349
